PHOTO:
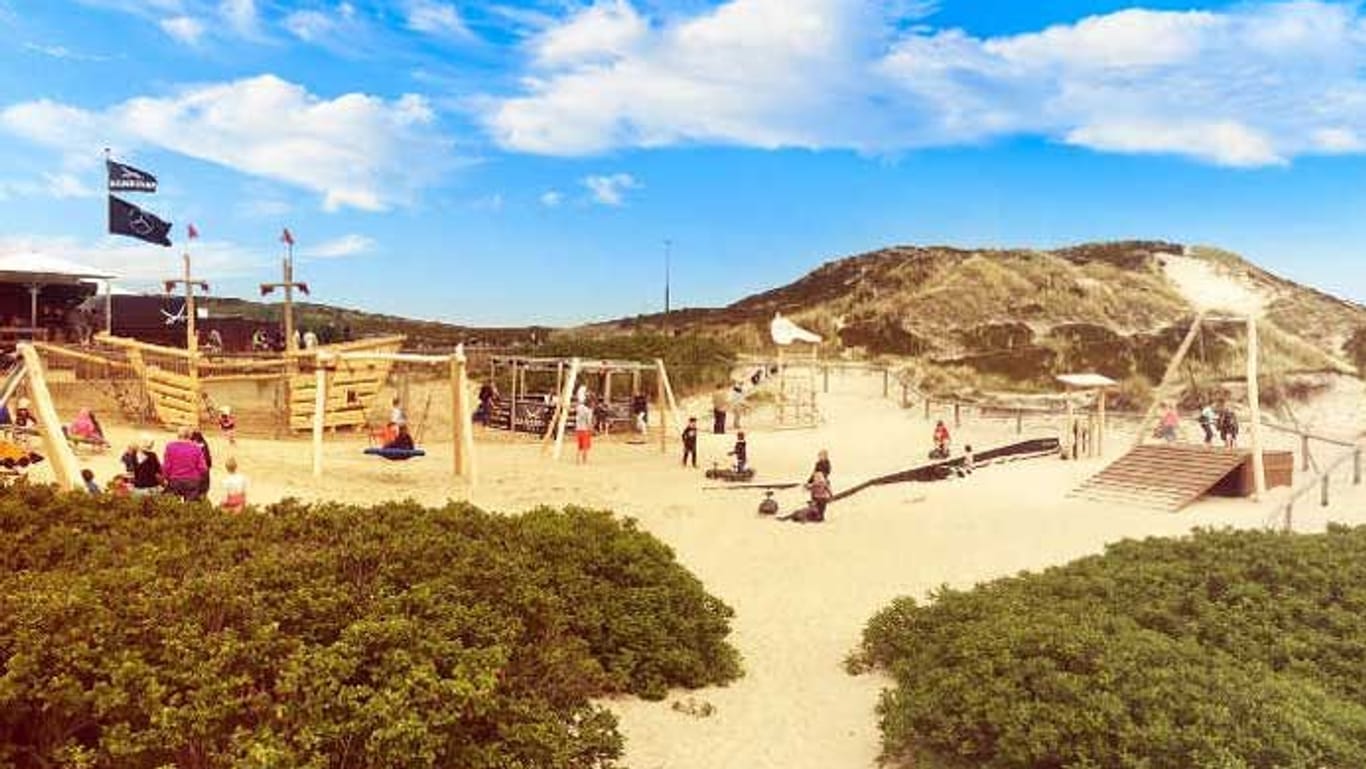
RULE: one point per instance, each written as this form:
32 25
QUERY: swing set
461 433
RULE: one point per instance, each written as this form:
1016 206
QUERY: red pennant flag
287 237
191 232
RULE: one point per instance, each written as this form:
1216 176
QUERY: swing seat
395 455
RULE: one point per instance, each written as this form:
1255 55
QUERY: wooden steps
1162 477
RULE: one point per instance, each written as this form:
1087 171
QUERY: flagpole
191 335
290 346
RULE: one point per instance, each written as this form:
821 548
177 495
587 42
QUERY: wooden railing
1321 482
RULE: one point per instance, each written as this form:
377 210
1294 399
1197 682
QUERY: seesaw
935 471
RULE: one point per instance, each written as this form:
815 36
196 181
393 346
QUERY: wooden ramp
1162 477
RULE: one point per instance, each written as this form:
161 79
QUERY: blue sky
493 162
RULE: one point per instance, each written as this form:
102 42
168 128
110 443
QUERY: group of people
183 469
1212 419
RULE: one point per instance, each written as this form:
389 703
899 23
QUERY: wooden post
886 380
1019 421
1323 490
319 413
905 394
1288 522
669 395
1255 406
825 382
462 430
562 409
1101 426
1304 451
1172 368
927 408
663 409
1356 466
1070 434
59 453
957 415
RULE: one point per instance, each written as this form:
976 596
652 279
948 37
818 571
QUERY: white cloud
605 30
611 190
355 150
128 260
551 198
185 29
62 52
320 26
346 245
68 186
241 16
59 185
436 18
1249 85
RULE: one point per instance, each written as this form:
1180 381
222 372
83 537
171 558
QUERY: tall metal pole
668 248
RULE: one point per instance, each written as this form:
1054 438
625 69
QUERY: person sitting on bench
403 441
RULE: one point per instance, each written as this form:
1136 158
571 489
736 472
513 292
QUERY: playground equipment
532 406
719 473
798 363
1171 477
330 363
934 471
30 373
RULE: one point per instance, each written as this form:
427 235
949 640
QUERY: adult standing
822 466
1207 419
583 430
720 401
184 466
1228 426
198 438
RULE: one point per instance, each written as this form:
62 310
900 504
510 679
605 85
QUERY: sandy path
802 593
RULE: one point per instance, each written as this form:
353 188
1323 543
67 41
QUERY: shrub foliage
146 633
1226 649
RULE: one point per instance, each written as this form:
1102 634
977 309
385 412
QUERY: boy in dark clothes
690 442
740 452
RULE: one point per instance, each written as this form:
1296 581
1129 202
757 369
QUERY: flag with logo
125 178
287 237
127 219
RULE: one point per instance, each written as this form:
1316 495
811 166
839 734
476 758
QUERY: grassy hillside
1017 317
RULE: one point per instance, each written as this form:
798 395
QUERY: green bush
148 633
1225 649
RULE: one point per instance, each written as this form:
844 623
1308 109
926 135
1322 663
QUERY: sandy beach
802 592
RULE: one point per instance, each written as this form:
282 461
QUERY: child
967 467
121 485
941 441
228 424
88 476
234 488
690 442
740 452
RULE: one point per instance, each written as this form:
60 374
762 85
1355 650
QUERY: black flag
127 219
122 177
